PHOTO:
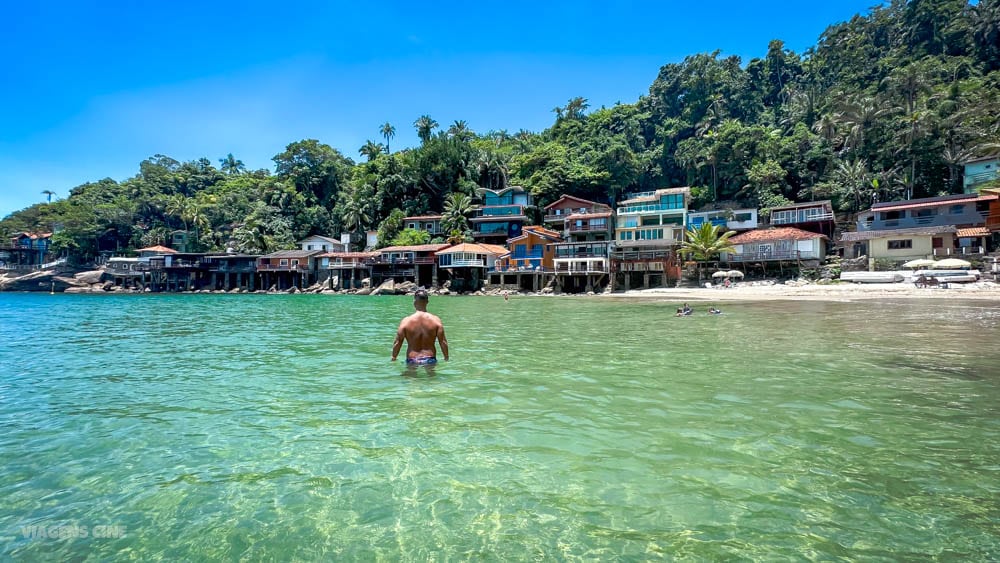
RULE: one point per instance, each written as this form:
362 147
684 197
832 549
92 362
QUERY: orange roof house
780 243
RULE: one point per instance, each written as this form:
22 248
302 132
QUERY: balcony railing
501 211
801 218
638 255
590 267
650 208
574 228
960 251
763 256
465 264
285 268
349 264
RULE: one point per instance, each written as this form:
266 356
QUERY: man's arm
398 342
443 341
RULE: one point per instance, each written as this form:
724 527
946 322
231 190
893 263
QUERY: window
283 262
295 263
411 225
982 206
892 215
956 209
927 212
937 242
742 217
900 244
650 220
672 201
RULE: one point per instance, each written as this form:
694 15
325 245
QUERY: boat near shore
871 277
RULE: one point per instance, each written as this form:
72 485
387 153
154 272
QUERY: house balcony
574 228
285 268
382 260
499 211
961 251
465 264
802 218
649 208
974 218
654 243
349 265
592 266
641 255
762 256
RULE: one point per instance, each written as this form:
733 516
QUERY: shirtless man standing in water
420 330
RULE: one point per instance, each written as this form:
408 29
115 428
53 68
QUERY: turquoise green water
234 427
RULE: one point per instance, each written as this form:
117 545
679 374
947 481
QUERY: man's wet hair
420 295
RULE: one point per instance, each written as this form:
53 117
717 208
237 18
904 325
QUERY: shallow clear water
274 427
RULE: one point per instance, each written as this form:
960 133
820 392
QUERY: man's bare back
420 330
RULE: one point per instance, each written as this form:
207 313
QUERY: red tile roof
565 197
780 233
476 248
973 232
158 248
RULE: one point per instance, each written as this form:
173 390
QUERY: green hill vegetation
885 106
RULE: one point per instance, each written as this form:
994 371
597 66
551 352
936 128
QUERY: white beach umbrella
734 274
720 274
951 264
919 263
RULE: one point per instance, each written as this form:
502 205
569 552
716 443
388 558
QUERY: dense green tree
411 237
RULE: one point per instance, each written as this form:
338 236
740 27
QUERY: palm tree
48 194
355 213
231 165
177 205
854 182
460 130
576 107
456 209
425 124
388 131
706 243
371 150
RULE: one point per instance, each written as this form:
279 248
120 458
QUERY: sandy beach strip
986 291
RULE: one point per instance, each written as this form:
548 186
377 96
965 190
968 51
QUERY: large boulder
91 277
388 287
405 287
364 291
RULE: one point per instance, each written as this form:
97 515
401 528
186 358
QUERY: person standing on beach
420 330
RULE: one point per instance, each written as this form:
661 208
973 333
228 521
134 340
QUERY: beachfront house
579 219
430 224
231 271
325 244
467 264
286 269
744 219
978 172
126 272
529 265
26 250
502 214
346 270
813 216
415 263
922 218
777 244
649 226
175 271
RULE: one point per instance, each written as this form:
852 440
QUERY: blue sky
92 87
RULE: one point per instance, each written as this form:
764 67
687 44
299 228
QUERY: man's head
420 299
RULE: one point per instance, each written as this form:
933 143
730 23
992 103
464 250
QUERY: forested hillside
885 106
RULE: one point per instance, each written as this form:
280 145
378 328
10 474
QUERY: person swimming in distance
420 330
687 310
714 311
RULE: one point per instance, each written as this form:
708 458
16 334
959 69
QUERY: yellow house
899 244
